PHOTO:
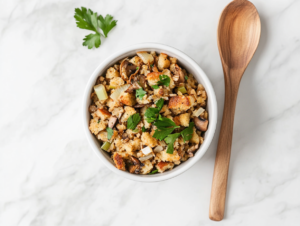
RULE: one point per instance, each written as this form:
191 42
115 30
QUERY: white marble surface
49 174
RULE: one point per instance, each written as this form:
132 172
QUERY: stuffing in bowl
148 113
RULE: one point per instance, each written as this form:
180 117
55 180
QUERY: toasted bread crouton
153 78
128 111
118 112
147 125
118 143
121 127
173 60
195 138
163 166
144 70
102 136
165 157
118 160
144 100
97 125
112 73
184 119
159 92
148 140
113 104
192 81
163 61
102 114
180 104
177 120
136 60
127 99
165 110
116 82
146 168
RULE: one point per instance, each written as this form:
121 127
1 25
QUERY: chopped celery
105 146
182 89
101 92
135 131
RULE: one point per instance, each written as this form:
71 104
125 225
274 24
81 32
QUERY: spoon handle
219 185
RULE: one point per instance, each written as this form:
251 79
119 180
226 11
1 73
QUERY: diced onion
158 148
100 92
198 112
144 158
146 57
117 93
147 150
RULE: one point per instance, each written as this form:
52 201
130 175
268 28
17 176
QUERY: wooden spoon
238 37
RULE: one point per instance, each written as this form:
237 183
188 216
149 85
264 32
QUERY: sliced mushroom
179 73
127 68
141 105
192 149
92 108
134 86
142 81
125 137
201 123
134 167
112 121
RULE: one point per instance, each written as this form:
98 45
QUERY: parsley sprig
88 20
140 93
166 126
164 80
133 120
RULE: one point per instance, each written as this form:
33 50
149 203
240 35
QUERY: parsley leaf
143 129
137 68
160 103
186 78
92 40
164 122
110 133
155 87
188 132
88 20
164 80
153 172
106 24
151 114
140 93
162 133
170 139
133 120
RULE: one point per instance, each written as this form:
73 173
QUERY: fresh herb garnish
140 93
98 120
152 113
110 133
160 103
137 68
164 80
170 139
161 134
186 78
143 129
188 132
164 122
153 172
155 87
151 65
133 120
87 19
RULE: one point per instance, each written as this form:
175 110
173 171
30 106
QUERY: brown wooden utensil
238 37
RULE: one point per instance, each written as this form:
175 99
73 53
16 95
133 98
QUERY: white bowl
183 60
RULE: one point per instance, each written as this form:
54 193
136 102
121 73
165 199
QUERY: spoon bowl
238 37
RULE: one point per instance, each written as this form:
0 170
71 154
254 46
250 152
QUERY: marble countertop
49 174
